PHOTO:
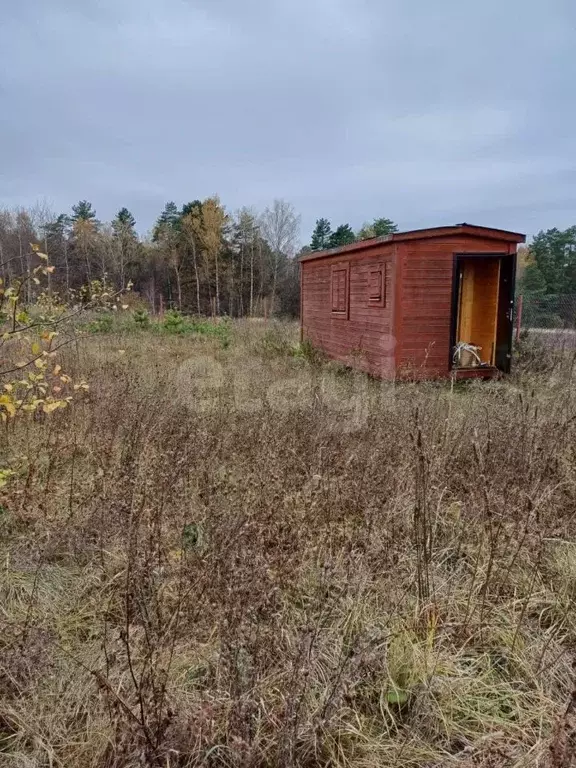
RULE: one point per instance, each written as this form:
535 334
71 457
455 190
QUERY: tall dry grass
242 557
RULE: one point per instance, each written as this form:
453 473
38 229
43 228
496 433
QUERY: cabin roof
470 230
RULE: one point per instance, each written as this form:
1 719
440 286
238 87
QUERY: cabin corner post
397 308
301 267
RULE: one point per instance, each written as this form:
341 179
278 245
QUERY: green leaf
397 697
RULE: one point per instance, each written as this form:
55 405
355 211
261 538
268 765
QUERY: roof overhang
469 230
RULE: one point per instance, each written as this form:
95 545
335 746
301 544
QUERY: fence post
519 317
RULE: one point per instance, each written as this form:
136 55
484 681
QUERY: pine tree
57 233
195 205
125 219
166 234
84 234
83 211
378 228
383 227
126 241
342 235
533 280
169 219
191 225
554 252
321 235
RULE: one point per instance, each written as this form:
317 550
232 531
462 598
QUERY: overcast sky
426 112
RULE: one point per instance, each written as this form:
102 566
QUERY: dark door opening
482 304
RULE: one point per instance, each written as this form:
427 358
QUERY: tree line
198 258
202 259
550 263
324 236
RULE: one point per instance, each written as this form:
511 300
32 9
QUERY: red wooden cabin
399 305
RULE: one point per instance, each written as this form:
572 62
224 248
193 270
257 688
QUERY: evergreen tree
194 206
83 211
169 219
554 253
533 281
166 234
85 228
126 242
342 235
378 228
124 219
190 227
321 235
383 227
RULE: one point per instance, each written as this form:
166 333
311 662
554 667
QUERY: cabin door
483 299
504 331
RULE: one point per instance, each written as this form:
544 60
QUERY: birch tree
280 226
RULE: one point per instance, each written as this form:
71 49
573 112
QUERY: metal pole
519 317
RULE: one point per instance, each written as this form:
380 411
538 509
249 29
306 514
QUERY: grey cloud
425 112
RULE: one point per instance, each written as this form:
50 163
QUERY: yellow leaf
42 255
36 348
8 387
5 474
21 364
10 408
50 407
57 369
39 363
34 247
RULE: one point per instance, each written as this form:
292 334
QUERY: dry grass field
228 554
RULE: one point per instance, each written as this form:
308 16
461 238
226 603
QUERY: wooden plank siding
425 301
365 339
406 329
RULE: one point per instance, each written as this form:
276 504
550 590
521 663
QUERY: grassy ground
232 554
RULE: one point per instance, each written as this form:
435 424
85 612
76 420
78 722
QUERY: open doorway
482 312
